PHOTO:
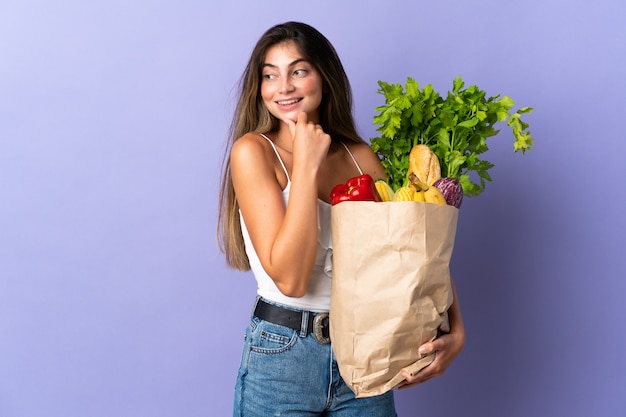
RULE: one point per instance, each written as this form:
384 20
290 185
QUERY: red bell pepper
361 188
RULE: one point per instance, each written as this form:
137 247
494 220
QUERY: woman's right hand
310 142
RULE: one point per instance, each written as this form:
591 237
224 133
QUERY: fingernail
422 350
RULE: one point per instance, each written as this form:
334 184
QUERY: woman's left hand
446 348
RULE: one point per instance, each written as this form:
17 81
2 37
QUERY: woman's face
289 84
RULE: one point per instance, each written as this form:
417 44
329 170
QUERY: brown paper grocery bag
390 288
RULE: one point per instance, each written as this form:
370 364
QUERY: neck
282 138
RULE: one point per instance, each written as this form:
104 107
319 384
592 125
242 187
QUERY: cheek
266 92
313 86
314 89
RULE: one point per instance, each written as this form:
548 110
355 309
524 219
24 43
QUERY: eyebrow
296 62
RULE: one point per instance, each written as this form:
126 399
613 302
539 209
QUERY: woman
293 139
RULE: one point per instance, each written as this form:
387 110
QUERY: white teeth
286 103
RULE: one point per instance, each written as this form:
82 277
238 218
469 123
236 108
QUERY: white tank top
317 297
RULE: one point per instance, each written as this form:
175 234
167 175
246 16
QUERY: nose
286 85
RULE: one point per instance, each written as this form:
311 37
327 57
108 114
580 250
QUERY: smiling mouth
288 102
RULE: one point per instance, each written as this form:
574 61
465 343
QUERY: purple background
114 300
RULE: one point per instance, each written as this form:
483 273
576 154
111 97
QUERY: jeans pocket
269 338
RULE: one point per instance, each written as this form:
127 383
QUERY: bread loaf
424 163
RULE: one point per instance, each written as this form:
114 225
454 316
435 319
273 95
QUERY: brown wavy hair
251 115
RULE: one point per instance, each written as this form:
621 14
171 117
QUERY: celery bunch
456 128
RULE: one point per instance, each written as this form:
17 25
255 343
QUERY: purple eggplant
451 190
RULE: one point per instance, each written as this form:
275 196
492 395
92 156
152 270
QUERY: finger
440 343
303 118
423 375
426 348
409 381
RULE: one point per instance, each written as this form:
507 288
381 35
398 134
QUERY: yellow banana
433 195
419 196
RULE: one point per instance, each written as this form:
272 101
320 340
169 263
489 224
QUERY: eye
300 73
269 77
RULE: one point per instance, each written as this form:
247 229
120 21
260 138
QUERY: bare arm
284 237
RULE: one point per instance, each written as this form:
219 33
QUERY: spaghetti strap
352 156
278 155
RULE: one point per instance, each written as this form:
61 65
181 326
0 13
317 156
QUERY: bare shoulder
248 143
367 159
250 148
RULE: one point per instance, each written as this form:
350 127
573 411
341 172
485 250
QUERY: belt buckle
318 326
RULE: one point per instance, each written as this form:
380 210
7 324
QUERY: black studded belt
317 322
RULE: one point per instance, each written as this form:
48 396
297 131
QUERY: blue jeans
285 372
